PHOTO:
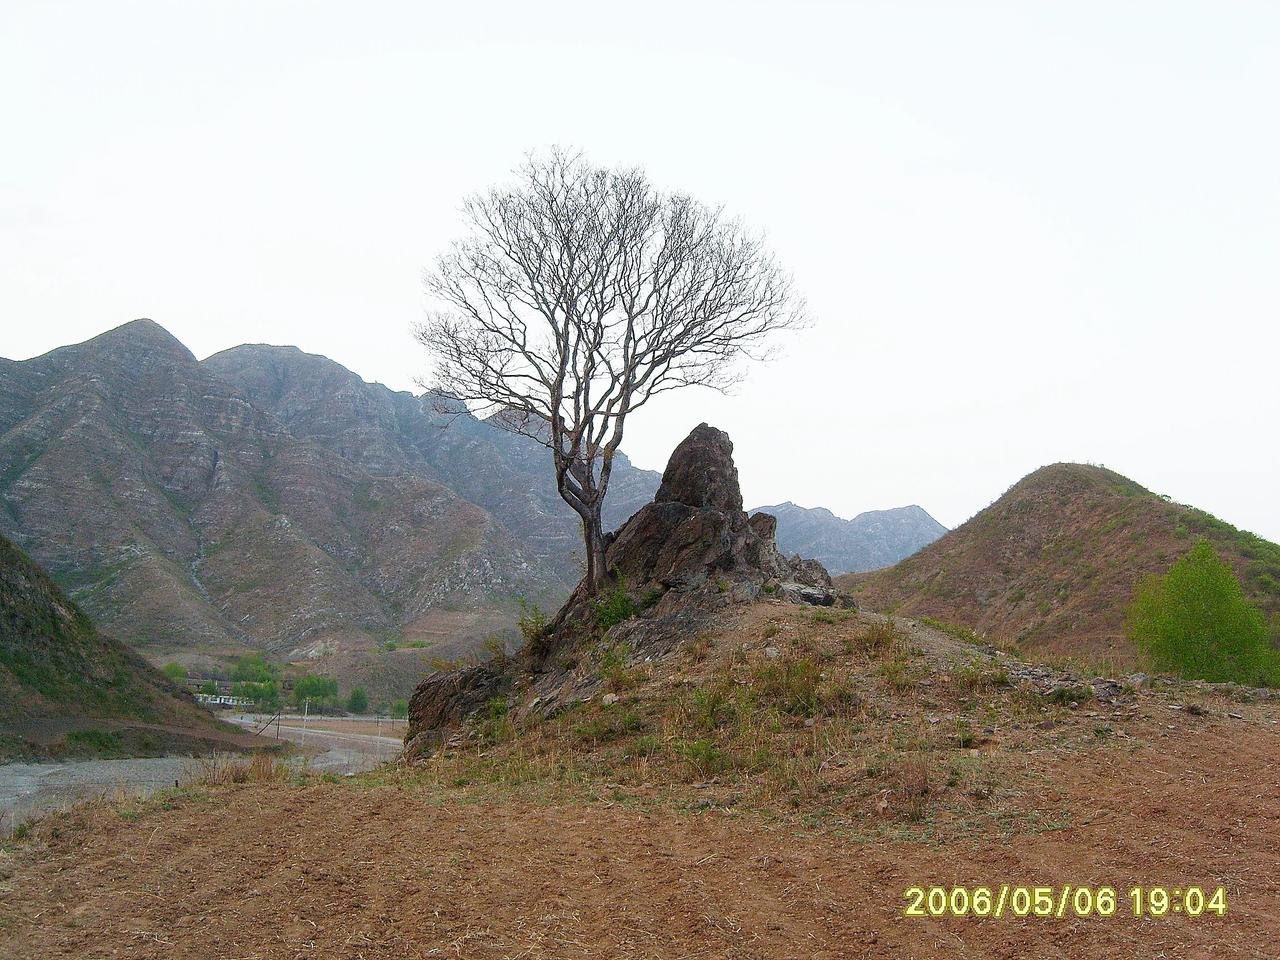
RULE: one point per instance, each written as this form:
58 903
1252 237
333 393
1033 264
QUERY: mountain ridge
270 499
870 540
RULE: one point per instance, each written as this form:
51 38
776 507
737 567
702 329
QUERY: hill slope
874 539
55 665
1052 564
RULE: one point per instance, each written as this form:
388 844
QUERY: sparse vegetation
614 605
532 622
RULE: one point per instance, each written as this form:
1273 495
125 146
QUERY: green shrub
96 741
705 757
254 668
533 622
614 605
262 694
1196 622
175 672
608 726
399 709
709 707
496 648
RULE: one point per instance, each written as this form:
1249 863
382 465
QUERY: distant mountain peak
872 539
143 333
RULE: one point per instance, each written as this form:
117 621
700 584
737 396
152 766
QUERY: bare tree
580 294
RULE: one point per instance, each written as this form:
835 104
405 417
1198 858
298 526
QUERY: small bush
912 783
709 707
1076 693
705 757
175 672
1196 622
607 727
791 685
96 741
876 639
975 678
614 606
613 668
533 622
899 674
645 746
955 630
220 770
496 649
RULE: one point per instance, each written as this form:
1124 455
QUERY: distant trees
254 668
319 690
265 695
358 701
581 293
1195 621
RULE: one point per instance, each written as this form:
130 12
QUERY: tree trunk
593 539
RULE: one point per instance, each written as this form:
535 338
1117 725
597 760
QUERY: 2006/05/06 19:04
1064 901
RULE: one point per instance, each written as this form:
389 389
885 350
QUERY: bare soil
561 839
339 870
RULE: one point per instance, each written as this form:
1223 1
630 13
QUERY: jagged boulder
679 561
696 530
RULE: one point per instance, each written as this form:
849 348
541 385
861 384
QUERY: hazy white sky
1028 231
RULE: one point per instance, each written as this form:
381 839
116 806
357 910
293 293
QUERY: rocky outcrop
675 566
696 531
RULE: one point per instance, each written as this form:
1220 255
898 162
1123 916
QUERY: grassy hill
1052 564
65 689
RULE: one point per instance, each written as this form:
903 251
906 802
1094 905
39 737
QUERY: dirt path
270 871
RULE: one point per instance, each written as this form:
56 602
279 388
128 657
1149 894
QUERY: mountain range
1051 566
266 499
877 538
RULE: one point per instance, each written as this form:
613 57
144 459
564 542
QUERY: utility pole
306 709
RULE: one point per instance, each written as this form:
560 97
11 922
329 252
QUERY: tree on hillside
581 293
1196 622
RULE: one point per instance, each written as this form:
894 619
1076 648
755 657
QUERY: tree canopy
579 294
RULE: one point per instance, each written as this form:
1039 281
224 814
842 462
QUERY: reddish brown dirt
271 871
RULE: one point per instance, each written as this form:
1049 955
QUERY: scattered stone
609 699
